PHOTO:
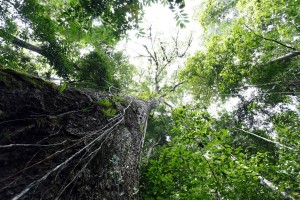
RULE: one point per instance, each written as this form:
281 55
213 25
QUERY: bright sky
163 24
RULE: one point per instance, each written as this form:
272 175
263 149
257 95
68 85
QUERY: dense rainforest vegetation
251 53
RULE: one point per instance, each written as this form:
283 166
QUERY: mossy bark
63 146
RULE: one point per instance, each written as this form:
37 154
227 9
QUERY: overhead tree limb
172 89
265 139
21 43
286 57
272 40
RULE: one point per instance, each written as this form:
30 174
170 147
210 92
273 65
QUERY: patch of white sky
162 22
217 107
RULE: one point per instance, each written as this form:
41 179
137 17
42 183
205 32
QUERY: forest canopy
250 54
58 31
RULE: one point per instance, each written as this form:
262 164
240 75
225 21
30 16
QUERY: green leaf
62 87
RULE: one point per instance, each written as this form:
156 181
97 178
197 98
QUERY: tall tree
165 56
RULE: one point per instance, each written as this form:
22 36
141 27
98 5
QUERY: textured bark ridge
67 145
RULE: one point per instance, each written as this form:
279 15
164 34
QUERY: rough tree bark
68 145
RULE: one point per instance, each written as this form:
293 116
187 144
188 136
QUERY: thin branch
141 55
176 85
272 40
265 139
165 56
32 145
286 57
165 102
187 48
172 89
150 54
149 152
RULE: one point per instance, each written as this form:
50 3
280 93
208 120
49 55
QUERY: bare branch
165 102
172 89
272 40
32 145
187 48
151 55
20 43
163 56
286 57
176 85
265 139
145 56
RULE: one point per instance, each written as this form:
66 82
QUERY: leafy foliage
202 161
252 152
251 52
251 46
59 30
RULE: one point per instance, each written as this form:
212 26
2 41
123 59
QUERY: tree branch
172 89
150 55
166 103
187 48
150 150
32 145
20 43
265 139
272 40
286 57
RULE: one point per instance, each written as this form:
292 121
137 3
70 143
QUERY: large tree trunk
67 145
